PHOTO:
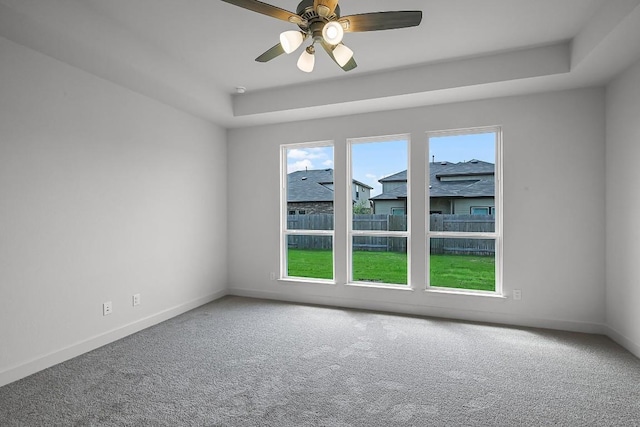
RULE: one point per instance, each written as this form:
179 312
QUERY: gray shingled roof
471 187
312 186
399 192
470 168
396 177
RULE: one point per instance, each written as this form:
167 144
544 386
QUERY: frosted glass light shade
291 40
333 33
307 61
342 54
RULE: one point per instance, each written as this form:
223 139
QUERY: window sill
484 294
306 281
377 286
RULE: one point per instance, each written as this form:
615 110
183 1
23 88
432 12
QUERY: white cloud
299 165
297 154
308 153
309 158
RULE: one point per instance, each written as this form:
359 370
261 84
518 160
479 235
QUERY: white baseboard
624 341
39 363
42 362
429 311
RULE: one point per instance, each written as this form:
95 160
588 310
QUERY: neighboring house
311 192
465 188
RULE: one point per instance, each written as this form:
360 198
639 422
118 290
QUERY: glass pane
480 210
310 257
310 188
461 177
380 259
462 223
463 264
379 187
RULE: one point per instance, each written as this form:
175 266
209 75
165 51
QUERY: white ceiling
193 53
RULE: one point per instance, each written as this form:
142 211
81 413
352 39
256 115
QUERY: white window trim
284 232
498 203
351 233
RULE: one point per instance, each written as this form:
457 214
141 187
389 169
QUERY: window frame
351 233
497 235
285 232
488 209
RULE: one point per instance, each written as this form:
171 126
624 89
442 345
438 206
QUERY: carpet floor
247 362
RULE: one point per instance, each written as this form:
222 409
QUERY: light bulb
291 40
342 54
333 33
307 60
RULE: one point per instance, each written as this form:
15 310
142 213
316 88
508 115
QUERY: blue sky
376 160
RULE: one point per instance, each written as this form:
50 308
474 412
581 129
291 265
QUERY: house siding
363 193
440 205
383 207
390 186
463 206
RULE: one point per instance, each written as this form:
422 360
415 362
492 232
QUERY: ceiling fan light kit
291 40
332 33
342 54
321 20
307 60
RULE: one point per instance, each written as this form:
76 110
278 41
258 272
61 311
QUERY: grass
310 263
463 272
447 271
380 267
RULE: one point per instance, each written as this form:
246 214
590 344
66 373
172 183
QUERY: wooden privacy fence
437 222
466 224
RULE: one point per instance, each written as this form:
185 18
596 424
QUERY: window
462 211
307 188
480 210
398 211
463 230
378 239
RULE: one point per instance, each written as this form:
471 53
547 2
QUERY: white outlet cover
107 308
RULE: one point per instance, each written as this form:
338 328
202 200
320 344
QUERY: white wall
103 193
553 204
623 209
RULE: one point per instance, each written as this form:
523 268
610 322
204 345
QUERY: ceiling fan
321 20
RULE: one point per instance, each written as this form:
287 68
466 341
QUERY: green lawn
447 271
463 272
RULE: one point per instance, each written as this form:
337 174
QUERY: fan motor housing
307 13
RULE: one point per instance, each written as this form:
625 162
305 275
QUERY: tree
362 208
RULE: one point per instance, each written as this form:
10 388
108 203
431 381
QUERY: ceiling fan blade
272 53
381 21
330 6
266 9
348 66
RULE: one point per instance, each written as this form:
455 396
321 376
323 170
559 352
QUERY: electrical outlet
136 299
517 294
107 308
272 276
